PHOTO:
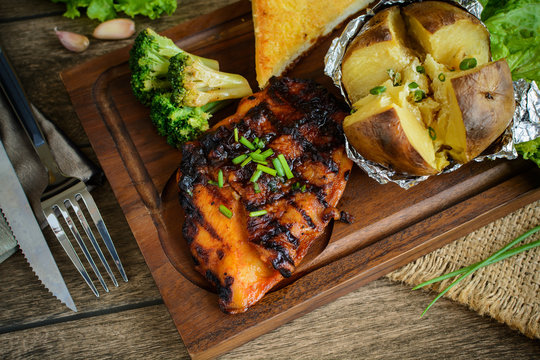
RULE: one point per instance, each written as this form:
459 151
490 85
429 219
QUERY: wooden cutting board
392 227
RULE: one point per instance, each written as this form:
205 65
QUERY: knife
24 226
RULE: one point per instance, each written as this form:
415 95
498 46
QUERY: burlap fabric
508 291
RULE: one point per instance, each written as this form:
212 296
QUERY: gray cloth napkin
32 174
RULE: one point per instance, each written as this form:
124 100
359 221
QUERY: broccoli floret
180 123
149 62
194 83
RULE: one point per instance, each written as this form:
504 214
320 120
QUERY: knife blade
25 229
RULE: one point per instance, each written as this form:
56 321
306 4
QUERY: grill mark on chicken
197 219
244 257
224 290
304 214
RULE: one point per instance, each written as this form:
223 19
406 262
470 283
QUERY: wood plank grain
378 321
13 10
388 233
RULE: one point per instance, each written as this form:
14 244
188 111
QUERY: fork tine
98 221
82 219
65 214
68 247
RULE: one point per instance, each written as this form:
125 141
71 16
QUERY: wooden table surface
378 321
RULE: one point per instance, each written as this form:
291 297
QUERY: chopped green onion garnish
212 182
257 157
245 162
223 209
413 85
235 134
377 90
418 95
220 178
237 160
442 77
264 162
353 110
256 175
285 166
258 213
260 145
303 188
467 64
256 142
295 186
278 167
267 153
247 143
432 133
394 76
257 188
267 170
420 69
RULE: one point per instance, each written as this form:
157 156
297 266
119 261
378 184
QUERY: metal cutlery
25 228
63 193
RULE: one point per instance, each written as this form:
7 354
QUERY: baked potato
447 32
478 105
426 93
385 129
376 49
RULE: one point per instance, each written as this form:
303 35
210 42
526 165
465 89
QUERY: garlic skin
72 41
115 29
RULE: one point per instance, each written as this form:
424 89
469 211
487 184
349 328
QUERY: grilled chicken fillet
245 256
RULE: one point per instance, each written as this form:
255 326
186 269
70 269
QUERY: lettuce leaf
514 26
530 150
103 10
152 9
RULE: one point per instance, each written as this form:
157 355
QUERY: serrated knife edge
26 231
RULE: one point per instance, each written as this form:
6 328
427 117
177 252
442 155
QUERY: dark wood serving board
393 226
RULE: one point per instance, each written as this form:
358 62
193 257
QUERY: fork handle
16 96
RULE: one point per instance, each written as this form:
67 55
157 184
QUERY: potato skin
485 98
375 50
375 31
381 139
433 15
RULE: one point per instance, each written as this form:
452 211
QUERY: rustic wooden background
378 321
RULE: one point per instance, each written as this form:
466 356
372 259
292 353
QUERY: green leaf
101 10
72 6
530 150
153 9
514 26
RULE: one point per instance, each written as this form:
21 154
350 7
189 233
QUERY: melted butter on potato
460 112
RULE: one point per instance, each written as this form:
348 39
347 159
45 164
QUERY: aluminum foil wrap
524 127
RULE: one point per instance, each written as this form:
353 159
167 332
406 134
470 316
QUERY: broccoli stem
195 84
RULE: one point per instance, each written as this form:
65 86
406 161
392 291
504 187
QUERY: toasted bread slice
286 29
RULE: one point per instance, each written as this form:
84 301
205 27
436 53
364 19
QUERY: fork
63 192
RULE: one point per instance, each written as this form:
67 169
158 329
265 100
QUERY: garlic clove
115 29
72 41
